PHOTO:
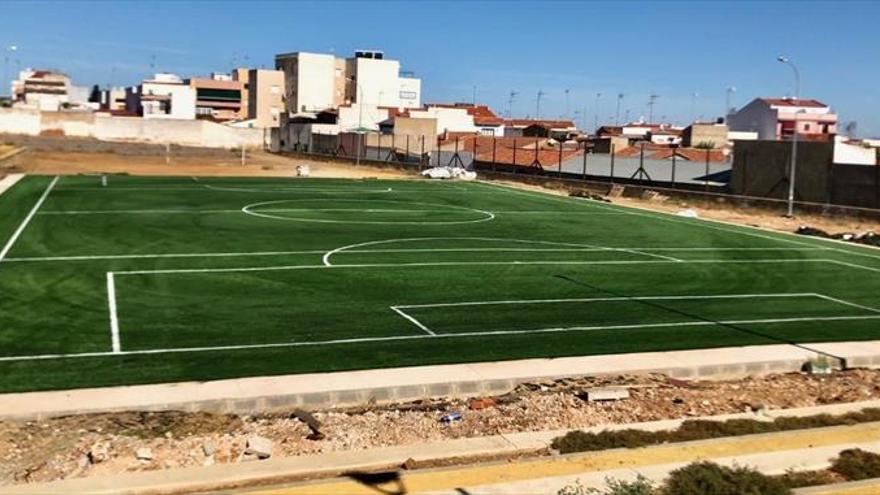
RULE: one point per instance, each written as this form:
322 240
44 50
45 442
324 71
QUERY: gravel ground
92 445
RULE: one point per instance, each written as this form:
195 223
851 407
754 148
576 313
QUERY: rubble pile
99 444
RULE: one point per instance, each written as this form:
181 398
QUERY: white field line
326 258
281 210
27 219
426 336
114 319
103 181
414 321
465 263
719 225
848 303
379 251
607 299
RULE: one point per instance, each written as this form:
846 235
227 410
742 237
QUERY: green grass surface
229 277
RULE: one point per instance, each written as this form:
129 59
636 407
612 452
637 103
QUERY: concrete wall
699 134
448 119
133 129
20 121
853 153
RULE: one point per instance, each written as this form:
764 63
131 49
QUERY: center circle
366 211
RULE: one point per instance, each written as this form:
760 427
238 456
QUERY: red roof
791 102
553 124
665 153
548 157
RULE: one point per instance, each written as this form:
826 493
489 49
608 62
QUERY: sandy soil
90 445
257 164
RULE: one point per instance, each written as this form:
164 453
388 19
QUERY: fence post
514 155
494 144
407 148
584 171
612 164
673 167
559 167
393 147
641 163
706 177
422 154
438 151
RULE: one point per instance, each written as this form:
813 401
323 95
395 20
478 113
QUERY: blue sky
672 49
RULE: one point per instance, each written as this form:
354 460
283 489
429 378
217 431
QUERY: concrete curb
280 470
353 388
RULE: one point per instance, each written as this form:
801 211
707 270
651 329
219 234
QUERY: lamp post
596 114
7 50
794 138
360 102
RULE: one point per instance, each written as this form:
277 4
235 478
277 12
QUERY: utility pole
617 111
728 109
538 104
794 138
7 50
510 99
596 116
651 101
566 104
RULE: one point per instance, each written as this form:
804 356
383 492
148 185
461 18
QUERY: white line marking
103 181
847 303
425 336
114 319
248 209
27 219
606 299
462 263
572 249
719 225
413 320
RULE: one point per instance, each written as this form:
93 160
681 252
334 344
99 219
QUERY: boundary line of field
399 309
114 318
27 219
380 251
708 223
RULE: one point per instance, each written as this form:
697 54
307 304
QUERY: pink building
779 118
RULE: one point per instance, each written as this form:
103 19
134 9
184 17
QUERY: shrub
857 464
702 478
641 486
800 479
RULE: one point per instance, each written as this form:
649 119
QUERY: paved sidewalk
316 390
10 180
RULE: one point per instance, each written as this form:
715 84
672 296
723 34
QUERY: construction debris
601 394
259 446
90 445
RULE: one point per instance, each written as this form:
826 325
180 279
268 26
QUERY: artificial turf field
109 280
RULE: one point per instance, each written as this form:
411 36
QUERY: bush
801 479
579 441
857 464
703 478
641 486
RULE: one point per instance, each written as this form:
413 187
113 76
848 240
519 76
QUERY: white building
45 90
777 118
316 82
165 96
449 118
853 152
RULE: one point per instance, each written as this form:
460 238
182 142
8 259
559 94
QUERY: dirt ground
91 445
258 163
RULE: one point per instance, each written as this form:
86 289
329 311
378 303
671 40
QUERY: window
275 89
806 127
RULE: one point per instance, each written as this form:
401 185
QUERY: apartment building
265 101
780 118
218 97
166 96
43 89
315 82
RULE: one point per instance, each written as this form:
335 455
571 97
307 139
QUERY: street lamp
360 128
9 49
794 139
596 114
